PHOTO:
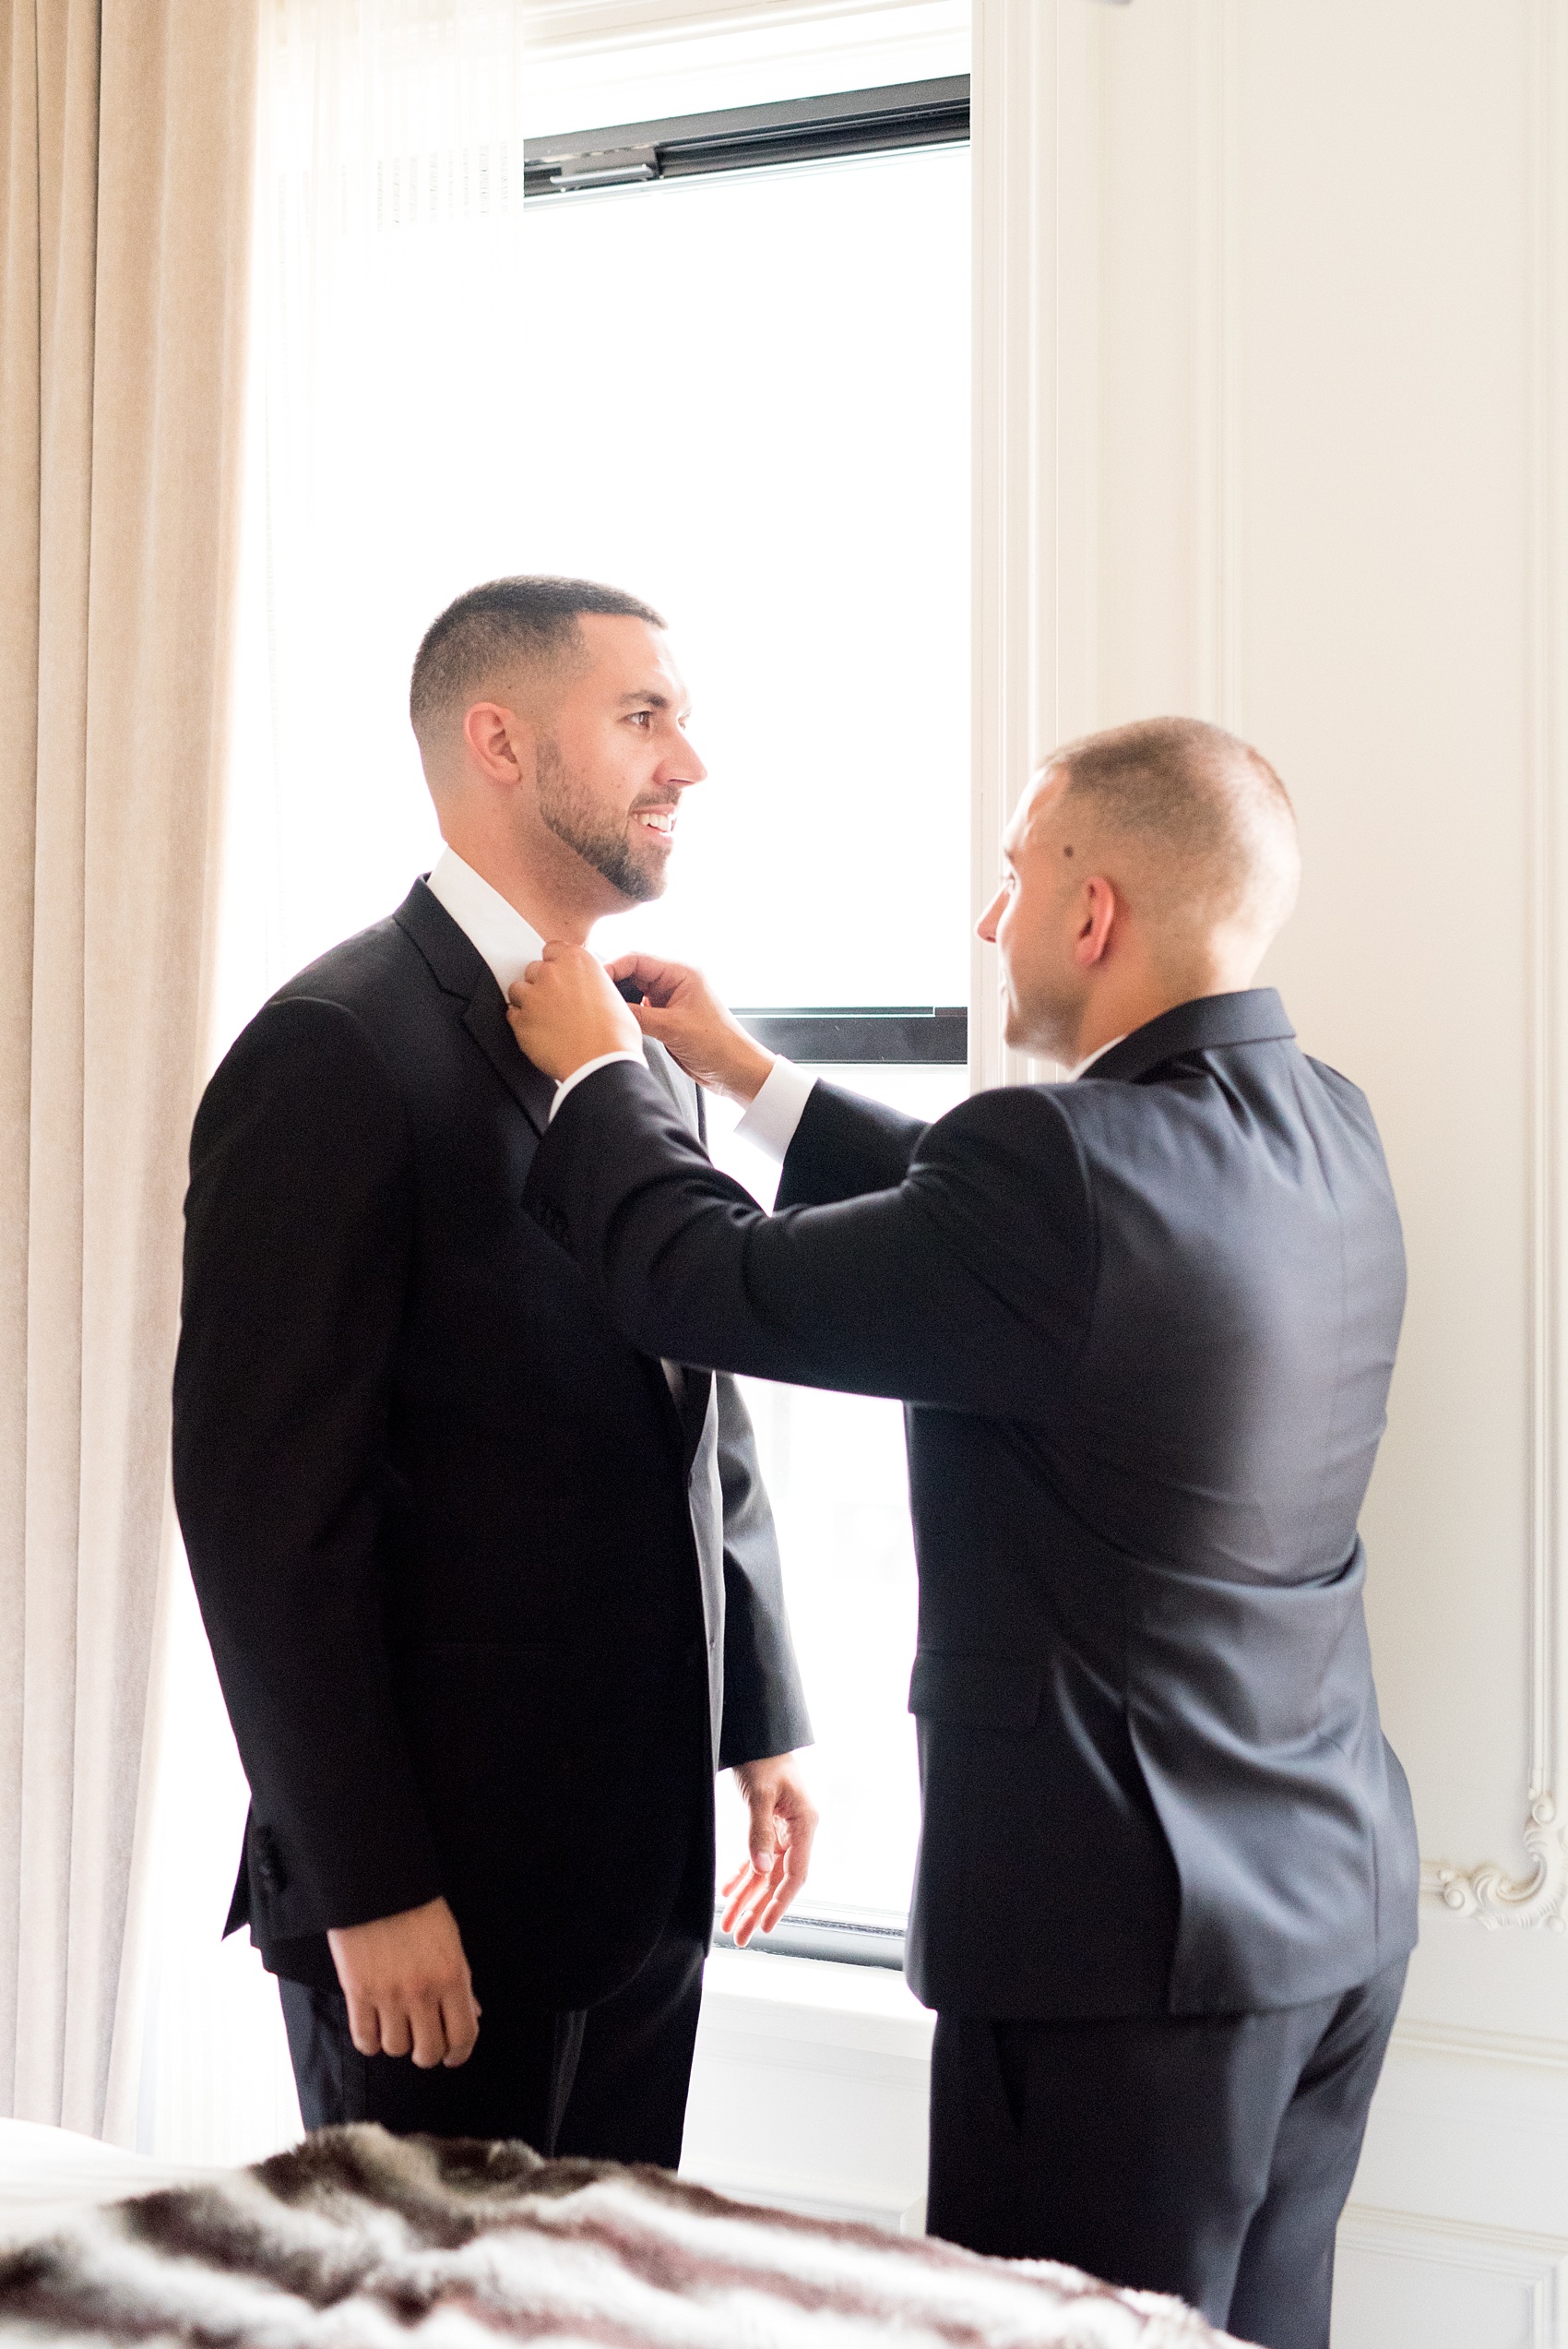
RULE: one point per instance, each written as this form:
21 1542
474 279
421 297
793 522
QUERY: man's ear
498 744
1097 920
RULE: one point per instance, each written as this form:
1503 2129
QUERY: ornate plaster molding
1038 187
1493 1898
1488 1893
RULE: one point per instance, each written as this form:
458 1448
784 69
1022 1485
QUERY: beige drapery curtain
126 128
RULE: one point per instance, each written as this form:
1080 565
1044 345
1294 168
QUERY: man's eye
641 716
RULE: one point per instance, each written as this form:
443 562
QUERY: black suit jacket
486 1605
1145 1324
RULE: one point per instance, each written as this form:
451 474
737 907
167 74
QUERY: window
805 524
729 371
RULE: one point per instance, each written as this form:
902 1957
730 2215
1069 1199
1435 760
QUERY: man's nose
986 927
685 766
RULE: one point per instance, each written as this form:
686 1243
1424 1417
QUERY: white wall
1273 415
1287 447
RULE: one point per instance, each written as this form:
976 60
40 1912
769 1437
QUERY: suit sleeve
843 1146
967 1286
765 1705
297 1238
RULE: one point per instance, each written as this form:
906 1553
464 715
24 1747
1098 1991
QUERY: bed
356 2240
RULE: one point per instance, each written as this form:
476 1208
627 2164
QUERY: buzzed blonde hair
1209 822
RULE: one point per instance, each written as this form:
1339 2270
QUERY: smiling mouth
660 820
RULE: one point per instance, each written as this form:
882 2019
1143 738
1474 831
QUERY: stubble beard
1045 1025
567 808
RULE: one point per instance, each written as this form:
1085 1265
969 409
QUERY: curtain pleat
126 180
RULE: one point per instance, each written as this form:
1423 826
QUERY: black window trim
740 138
841 1940
862 1036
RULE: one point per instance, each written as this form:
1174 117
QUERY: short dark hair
534 618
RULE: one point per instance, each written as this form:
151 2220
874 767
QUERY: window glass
751 406
834 1470
745 398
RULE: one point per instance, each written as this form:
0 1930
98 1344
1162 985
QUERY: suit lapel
459 969
695 1394
485 1020
697 1385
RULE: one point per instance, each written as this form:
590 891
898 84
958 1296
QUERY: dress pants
1207 2155
608 2081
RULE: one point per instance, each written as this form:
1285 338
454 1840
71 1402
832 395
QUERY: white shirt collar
1089 1059
506 942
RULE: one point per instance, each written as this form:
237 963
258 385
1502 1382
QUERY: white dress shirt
508 944
769 1124
780 1103
505 940
1090 1059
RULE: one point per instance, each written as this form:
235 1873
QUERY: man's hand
564 1012
681 1011
782 1825
407 1985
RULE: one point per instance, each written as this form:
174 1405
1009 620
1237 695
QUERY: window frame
891 1036
737 139
881 120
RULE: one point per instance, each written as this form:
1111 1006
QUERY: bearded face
628 844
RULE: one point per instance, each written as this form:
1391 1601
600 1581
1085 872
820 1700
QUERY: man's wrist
777 1109
603 1060
747 1073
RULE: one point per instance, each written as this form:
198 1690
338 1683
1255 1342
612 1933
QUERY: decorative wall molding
1217 680
1537 2265
1414 2037
1489 1893
1492 1897
1038 336
1035 427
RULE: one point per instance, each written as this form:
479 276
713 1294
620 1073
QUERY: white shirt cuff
605 1060
769 1124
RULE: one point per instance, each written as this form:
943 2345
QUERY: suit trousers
1206 2156
608 2082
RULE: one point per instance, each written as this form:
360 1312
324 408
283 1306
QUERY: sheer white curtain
125 176
386 408
393 345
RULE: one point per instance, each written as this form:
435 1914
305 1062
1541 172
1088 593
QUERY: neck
1129 1002
553 900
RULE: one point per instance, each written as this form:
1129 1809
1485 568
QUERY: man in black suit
1145 1323
490 1591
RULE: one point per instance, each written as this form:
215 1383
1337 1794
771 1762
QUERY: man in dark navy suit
1145 1323
492 1592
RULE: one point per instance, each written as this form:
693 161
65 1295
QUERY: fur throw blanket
357 2239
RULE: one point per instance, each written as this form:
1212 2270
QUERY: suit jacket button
271 1873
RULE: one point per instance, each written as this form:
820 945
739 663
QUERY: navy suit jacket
487 1606
1145 1326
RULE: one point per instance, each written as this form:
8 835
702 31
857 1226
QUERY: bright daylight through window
744 398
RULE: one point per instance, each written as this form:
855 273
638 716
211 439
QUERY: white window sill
810 2088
